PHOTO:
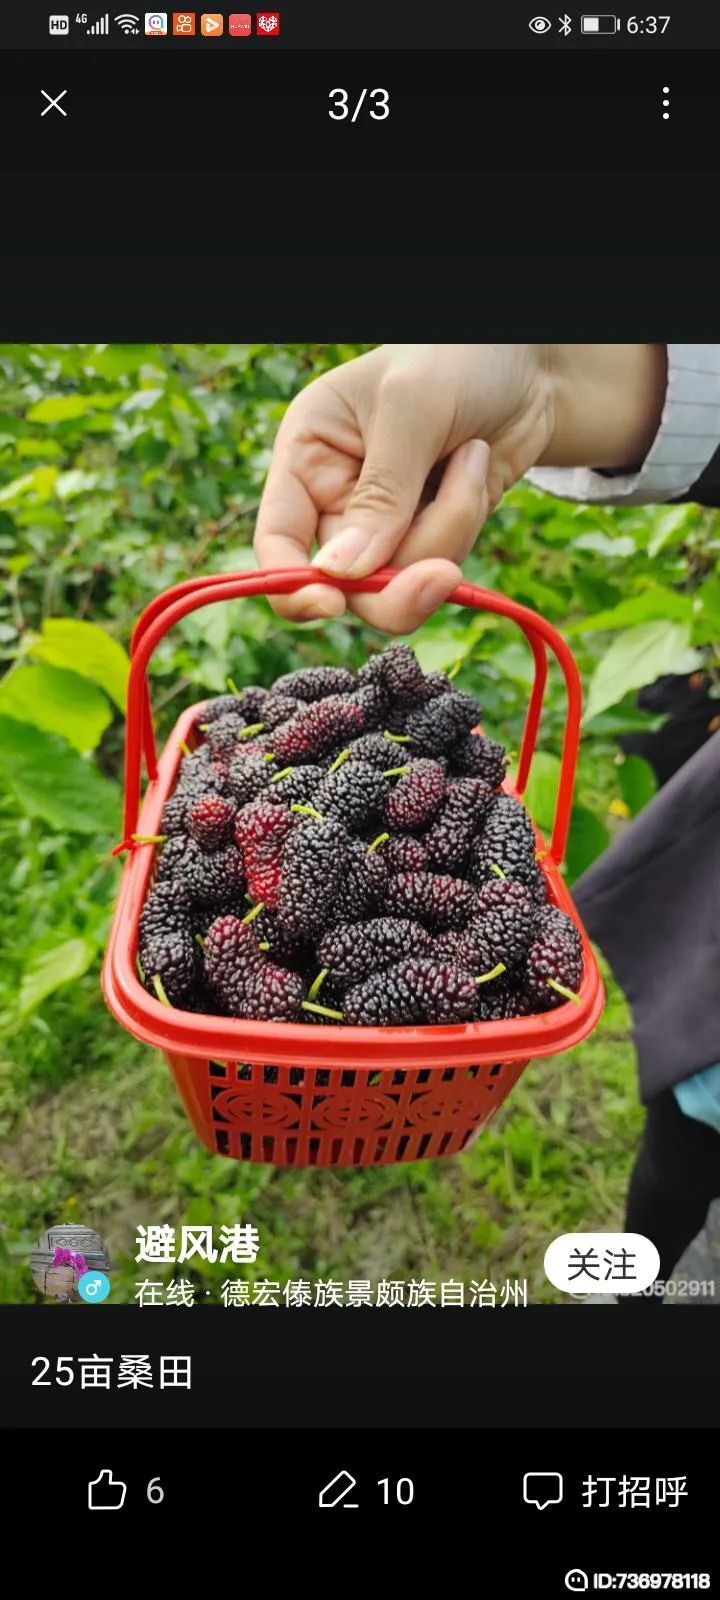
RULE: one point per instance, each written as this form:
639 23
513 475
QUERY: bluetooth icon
565 24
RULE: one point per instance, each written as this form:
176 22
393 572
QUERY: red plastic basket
292 1093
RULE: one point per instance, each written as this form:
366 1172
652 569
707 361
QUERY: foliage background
124 469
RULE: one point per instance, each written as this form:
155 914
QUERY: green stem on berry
454 670
254 913
568 994
139 966
381 839
396 772
246 733
339 760
232 686
397 738
184 747
498 871
149 838
317 983
309 811
497 971
160 992
269 755
540 855
199 940
278 775
322 1011
203 726
263 944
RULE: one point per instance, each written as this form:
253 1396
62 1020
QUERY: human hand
398 458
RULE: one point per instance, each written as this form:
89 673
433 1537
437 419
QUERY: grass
91 1131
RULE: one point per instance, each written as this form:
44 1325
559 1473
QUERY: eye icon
540 25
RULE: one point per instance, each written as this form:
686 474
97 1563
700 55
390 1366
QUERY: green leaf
706 626
587 839
542 786
602 545
656 602
68 407
49 969
670 526
86 649
638 783
624 719
40 482
50 780
636 657
119 360
59 701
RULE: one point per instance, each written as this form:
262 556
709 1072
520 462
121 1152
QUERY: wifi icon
128 22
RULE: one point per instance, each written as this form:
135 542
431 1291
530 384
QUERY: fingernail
476 459
432 595
341 552
317 601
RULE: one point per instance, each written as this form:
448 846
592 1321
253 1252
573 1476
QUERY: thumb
402 448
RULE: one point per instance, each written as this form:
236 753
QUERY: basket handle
170 607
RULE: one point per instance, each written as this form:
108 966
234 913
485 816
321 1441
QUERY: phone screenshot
360 782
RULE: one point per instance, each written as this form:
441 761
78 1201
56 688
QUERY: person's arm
398 457
682 461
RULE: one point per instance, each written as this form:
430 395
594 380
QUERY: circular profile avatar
70 1264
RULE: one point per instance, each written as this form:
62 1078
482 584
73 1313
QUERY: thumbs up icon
106 1493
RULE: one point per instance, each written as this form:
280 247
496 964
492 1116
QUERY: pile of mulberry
338 850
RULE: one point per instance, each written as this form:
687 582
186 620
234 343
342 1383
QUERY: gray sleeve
683 447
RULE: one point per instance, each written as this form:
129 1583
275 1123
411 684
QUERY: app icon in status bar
156 24
211 24
239 24
183 24
268 24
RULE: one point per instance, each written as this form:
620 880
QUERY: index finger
284 533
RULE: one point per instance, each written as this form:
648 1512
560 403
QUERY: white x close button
54 103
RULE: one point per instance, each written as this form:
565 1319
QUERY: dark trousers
675 1179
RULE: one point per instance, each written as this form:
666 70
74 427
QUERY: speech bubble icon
576 1581
542 1489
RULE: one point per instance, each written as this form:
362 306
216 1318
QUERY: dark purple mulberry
434 728
296 786
435 899
213 879
555 957
316 683
479 757
398 672
460 818
352 950
248 776
317 728
174 813
166 947
404 853
248 984
314 869
210 820
376 750
417 796
416 991
354 794
505 916
506 847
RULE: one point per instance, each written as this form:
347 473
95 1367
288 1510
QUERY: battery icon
599 24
